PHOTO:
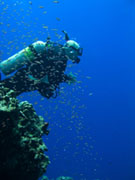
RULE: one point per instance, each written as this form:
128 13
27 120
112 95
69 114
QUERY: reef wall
21 146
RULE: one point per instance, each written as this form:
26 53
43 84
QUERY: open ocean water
92 128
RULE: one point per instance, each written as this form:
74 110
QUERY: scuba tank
22 58
31 53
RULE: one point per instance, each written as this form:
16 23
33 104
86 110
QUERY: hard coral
21 146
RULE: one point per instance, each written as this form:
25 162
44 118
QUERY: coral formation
44 178
21 146
64 178
59 178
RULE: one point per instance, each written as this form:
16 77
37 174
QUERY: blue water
92 125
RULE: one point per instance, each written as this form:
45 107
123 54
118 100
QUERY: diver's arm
45 90
69 78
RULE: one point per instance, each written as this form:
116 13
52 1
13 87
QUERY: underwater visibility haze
91 122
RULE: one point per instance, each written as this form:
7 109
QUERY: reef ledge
22 148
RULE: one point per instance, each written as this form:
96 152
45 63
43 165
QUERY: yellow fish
56 2
41 7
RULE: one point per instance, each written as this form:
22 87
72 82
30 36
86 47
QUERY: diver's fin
45 79
66 35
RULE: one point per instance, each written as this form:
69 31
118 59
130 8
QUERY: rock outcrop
21 146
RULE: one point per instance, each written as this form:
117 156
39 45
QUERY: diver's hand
71 78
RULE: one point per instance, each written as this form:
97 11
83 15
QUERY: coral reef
59 178
44 178
64 178
21 146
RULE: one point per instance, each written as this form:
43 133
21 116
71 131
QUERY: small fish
45 12
58 19
41 7
90 94
30 2
45 27
56 2
54 29
88 77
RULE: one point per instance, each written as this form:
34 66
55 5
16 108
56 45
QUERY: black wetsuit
52 64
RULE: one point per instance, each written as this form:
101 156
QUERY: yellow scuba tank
22 58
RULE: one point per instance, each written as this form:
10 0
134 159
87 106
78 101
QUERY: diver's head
72 50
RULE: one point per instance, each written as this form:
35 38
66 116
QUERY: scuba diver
41 67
